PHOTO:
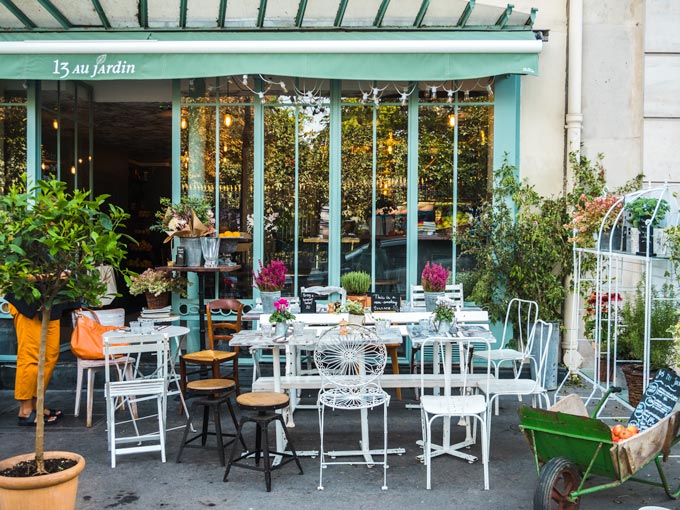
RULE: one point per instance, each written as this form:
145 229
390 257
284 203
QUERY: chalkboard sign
658 401
385 302
308 302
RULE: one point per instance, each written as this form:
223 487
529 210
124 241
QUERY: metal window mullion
222 13
75 135
58 130
467 12
19 14
33 120
176 130
258 177
339 16
90 138
296 223
454 247
374 195
56 13
380 15
421 13
412 190
335 184
183 13
261 13
100 12
215 276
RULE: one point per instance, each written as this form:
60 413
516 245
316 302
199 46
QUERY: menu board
385 302
658 401
308 302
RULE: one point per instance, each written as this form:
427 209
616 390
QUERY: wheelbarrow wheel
559 477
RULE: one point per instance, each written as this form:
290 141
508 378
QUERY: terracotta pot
56 490
155 302
365 300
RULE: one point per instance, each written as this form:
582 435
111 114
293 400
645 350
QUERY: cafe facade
335 135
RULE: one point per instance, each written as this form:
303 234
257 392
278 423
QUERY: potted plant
270 280
157 286
187 220
52 241
645 213
444 313
593 215
281 316
356 313
433 279
604 307
357 284
663 317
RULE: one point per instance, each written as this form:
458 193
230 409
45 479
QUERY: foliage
282 313
521 248
356 283
608 306
51 243
444 311
271 277
589 215
178 218
157 282
642 209
351 307
663 318
434 277
673 245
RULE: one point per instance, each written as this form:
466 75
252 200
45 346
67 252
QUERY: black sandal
29 421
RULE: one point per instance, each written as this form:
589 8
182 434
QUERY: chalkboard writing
308 302
658 401
385 302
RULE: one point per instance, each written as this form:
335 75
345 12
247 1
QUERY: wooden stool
265 404
211 394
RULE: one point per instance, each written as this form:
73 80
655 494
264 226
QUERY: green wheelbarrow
573 447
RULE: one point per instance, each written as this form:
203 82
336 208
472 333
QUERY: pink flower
271 277
434 277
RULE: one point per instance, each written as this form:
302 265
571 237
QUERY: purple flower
271 277
434 277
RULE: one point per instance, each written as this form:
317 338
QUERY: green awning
398 55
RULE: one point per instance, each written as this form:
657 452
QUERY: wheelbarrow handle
610 390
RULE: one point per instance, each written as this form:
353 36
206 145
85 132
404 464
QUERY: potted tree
51 243
645 213
433 279
357 284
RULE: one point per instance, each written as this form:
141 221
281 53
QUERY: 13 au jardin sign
66 69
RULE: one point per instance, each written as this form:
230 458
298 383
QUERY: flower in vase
282 312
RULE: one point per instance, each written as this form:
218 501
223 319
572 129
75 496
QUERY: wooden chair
218 331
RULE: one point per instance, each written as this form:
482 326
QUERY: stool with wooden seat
265 405
211 356
394 357
211 394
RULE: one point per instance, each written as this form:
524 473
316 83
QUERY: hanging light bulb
433 92
245 79
43 166
80 161
404 98
55 124
449 96
260 95
228 120
73 169
183 123
466 94
489 90
452 120
283 86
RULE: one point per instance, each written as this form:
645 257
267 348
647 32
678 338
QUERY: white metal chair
470 403
540 332
351 360
133 392
520 319
110 317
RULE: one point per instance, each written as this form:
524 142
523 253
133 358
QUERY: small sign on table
308 302
385 302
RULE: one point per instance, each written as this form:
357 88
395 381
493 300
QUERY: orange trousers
28 346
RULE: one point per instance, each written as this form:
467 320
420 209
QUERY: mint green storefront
336 150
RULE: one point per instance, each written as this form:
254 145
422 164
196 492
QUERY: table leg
201 309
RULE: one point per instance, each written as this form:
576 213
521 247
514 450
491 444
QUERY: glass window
12 132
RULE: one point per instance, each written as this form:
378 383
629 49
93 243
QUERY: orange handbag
86 339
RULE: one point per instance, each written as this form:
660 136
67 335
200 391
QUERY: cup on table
382 326
405 306
135 327
211 250
298 328
266 328
424 325
146 326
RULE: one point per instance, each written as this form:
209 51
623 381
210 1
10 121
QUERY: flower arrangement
444 311
282 313
434 277
271 277
157 282
191 217
352 307
588 216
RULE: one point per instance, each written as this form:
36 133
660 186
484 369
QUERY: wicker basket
633 375
159 301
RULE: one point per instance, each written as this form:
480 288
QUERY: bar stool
265 405
211 394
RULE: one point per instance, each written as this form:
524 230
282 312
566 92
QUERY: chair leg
234 450
291 446
321 454
384 487
89 396
395 365
182 381
79 389
233 418
187 427
238 385
485 453
265 454
161 425
218 433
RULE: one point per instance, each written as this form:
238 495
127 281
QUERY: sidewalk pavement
142 482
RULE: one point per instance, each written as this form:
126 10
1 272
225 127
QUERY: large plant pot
431 300
633 374
268 300
644 241
155 302
193 253
48 492
356 319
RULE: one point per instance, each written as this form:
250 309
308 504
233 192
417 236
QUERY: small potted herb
355 310
157 286
444 313
357 285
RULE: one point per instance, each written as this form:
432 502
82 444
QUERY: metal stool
211 394
265 404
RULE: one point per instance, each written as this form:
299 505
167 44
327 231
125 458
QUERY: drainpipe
574 126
